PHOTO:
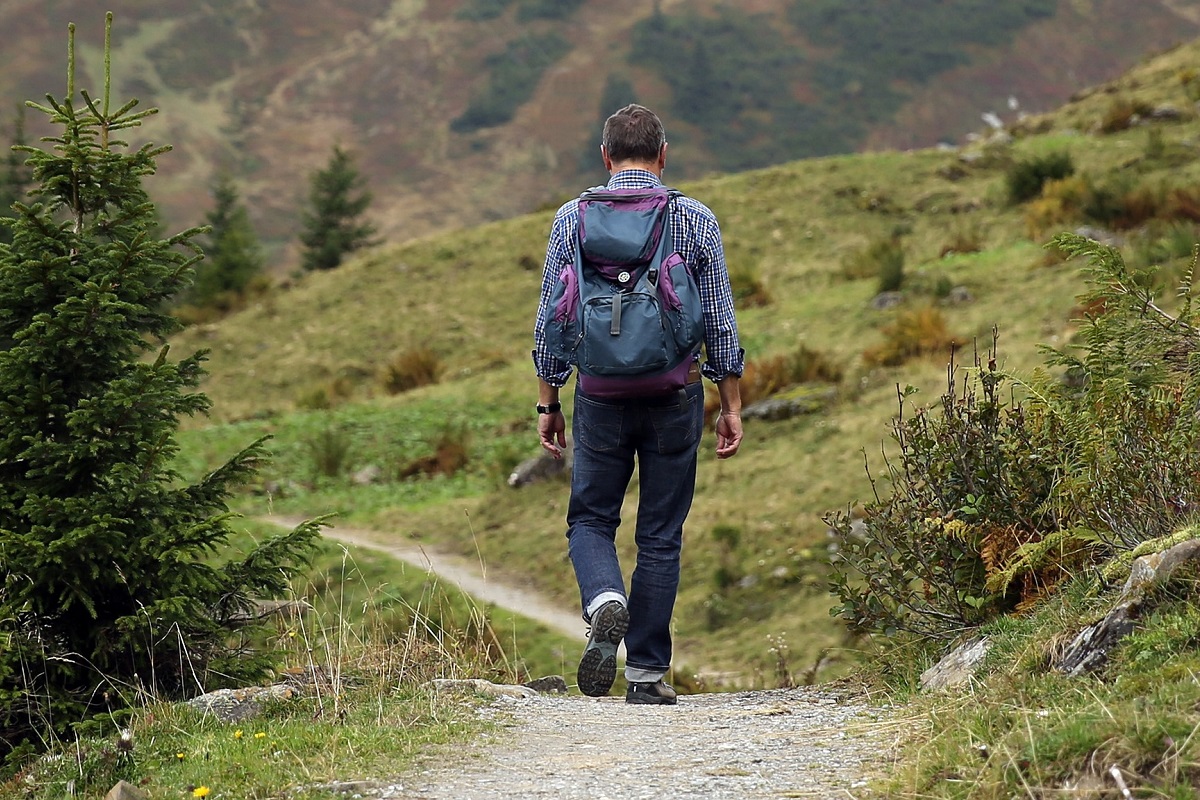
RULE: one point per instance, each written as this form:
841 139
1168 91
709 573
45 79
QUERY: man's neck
651 167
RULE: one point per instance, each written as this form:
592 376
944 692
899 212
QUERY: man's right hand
729 434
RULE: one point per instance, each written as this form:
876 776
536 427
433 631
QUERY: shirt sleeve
559 254
722 347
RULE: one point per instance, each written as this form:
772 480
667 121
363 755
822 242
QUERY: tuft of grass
419 366
915 333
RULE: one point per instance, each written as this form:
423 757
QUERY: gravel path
798 743
809 742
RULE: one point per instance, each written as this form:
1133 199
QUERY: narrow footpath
469 576
808 742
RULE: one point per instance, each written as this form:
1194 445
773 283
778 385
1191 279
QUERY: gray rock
367 475
1100 235
235 705
1156 568
886 300
541 467
126 791
261 609
1165 113
551 684
795 403
480 686
957 667
958 296
1090 648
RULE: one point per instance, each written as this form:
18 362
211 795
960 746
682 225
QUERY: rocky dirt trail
808 742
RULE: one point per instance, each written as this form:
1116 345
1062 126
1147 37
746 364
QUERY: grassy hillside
472 110
305 364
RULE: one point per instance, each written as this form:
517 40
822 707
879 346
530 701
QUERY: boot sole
598 666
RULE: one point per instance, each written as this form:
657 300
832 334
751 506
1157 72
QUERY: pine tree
115 577
232 254
333 224
14 179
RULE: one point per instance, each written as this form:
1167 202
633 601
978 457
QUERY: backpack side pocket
563 332
681 299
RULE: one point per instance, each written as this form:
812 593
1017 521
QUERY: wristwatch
553 408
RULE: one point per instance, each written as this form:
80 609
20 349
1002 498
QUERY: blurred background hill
461 111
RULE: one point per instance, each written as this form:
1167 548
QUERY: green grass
294 747
378 633
1024 732
469 297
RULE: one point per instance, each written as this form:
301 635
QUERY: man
661 433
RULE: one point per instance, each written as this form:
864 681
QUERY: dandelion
200 791
260 735
237 734
181 756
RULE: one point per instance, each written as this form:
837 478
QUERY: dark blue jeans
662 435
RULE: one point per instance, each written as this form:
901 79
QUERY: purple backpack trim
666 287
606 245
623 387
568 304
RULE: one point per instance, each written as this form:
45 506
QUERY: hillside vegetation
316 365
398 390
465 111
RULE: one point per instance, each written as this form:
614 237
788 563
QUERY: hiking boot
598 666
658 693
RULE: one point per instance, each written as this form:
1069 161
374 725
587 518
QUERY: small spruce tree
115 575
333 223
232 256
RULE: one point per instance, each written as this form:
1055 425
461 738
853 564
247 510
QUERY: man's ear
608 165
662 157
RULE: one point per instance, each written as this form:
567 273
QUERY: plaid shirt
697 238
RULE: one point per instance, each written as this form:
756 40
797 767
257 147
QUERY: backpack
627 312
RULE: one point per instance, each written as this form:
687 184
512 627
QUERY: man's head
634 136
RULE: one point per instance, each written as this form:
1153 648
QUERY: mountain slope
308 365
264 88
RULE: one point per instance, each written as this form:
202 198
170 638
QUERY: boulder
541 467
480 686
957 667
235 705
126 791
550 684
1090 648
793 403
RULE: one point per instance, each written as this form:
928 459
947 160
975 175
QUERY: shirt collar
633 179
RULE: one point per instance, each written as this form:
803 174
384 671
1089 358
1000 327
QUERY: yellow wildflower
180 756
200 791
237 734
260 735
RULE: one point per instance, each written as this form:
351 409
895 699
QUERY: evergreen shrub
1025 178
115 582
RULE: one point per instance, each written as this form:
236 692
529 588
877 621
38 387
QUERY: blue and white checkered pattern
697 238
